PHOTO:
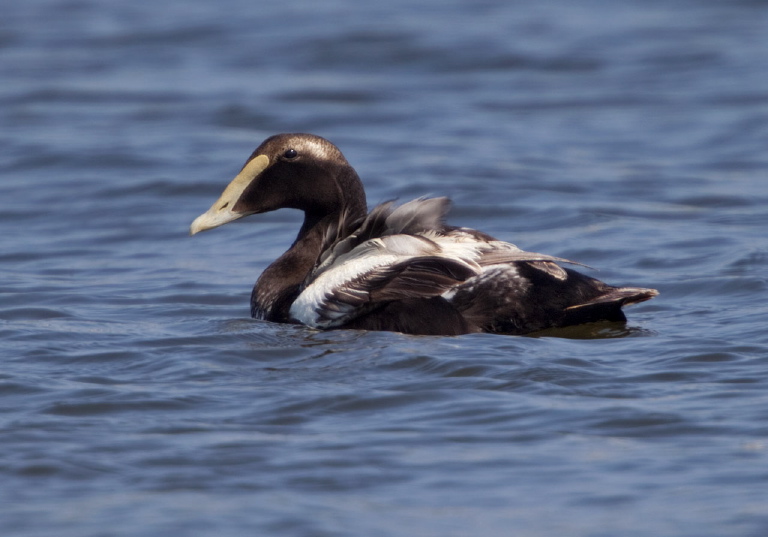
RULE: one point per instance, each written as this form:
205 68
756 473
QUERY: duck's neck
281 282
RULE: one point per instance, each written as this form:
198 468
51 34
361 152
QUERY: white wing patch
413 255
312 307
387 268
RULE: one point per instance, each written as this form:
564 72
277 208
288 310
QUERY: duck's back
404 270
525 297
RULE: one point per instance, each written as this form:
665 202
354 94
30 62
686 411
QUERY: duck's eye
290 153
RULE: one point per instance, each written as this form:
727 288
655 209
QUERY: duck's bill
221 212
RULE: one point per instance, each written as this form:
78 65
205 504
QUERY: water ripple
137 396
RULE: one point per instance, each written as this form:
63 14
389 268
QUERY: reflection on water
600 330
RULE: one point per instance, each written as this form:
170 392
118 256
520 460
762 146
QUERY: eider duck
397 268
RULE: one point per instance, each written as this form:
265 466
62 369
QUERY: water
137 397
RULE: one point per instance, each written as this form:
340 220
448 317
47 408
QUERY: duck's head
297 171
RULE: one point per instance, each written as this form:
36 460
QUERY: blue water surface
137 398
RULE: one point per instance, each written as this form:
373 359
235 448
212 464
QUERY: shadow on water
313 337
598 330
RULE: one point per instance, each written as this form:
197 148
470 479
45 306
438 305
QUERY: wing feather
354 287
400 253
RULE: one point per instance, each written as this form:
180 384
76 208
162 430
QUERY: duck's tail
607 307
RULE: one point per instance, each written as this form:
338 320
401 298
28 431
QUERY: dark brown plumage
398 268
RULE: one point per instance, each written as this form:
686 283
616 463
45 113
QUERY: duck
398 268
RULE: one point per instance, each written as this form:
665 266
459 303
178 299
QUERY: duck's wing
402 253
495 252
343 236
394 268
419 216
380 270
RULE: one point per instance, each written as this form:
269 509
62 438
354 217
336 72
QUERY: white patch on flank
322 304
310 308
313 308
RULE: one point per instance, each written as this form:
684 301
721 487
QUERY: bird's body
396 268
